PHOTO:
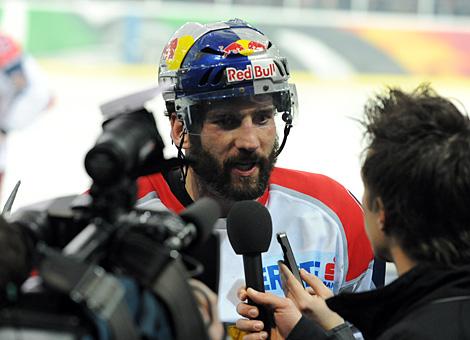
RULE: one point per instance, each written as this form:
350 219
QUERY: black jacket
428 302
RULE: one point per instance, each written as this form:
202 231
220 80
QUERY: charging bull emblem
176 50
243 47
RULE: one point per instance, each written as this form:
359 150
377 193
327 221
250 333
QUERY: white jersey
322 220
26 104
20 107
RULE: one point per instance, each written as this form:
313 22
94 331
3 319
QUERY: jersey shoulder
342 203
157 185
318 186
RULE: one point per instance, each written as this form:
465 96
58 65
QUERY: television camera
105 269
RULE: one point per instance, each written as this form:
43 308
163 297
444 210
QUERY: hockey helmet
222 61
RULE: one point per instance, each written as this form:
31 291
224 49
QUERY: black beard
215 180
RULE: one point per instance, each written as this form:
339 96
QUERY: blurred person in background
416 175
224 85
24 92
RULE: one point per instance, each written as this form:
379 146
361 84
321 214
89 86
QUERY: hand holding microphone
249 228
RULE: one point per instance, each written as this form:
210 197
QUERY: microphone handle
254 279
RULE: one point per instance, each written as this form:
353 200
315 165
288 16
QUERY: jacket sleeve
307 329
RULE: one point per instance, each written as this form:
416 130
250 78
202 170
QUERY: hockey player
23 91
226 84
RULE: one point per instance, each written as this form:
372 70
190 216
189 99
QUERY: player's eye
262 117
226 121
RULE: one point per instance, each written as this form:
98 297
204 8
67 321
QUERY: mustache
249 158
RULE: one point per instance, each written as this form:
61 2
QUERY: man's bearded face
218 177
236 149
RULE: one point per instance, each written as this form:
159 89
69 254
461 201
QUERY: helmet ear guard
289 116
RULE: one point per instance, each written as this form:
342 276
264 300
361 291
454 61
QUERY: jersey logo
272 279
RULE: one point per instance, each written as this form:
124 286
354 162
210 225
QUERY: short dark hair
418 162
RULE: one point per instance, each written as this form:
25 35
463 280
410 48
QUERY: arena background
340 52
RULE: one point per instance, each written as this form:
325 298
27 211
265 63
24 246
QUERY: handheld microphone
249 229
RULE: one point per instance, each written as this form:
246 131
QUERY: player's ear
177 131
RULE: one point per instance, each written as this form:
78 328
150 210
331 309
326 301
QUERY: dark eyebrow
222 113
230 110
267 108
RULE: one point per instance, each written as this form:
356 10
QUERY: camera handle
172 287
162 271
90 286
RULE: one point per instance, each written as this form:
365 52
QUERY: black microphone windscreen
203 214
249 227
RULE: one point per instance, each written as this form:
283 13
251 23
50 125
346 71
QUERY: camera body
103 268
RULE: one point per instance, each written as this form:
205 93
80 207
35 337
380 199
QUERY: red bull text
251 72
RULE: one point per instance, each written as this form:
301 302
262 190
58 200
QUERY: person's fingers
284 278
198 285
317 285
199 295
266 299
205 297
247 311
310 290
241 293
249 326
256 336
293 288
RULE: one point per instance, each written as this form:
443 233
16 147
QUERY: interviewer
416 175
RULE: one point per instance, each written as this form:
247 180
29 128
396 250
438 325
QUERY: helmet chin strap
183 167
287 117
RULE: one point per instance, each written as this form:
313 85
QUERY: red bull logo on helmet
255 71
169 51
176 50
243 47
